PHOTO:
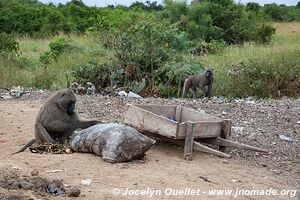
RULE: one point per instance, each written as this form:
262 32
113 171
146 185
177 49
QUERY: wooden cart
184 126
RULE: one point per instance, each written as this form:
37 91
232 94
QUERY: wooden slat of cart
145 120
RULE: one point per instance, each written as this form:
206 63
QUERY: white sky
103 3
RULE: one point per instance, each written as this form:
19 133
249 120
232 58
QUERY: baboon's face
67 101
71 108
208 73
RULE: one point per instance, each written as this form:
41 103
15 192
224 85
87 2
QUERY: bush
212 47
170 77
57 47
266 77
263 34
8 44
96 72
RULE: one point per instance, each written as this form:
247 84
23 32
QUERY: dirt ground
164 170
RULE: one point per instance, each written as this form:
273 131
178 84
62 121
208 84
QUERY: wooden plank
164 110
195 116
225 132
203 148
189 141
229 143
178 113
203 129
148 121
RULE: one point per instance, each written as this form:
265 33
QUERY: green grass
284 49
283 53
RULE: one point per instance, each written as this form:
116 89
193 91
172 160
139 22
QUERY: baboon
57 119
201 81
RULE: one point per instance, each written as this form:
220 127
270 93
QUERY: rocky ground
273 125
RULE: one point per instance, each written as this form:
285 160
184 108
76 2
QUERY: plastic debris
86 182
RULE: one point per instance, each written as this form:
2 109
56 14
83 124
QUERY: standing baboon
57 119
201 81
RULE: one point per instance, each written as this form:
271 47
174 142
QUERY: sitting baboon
201 81
57 119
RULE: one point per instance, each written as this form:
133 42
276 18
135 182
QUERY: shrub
263 34
266 77
212 47
57 47
170 77
8 44
96 72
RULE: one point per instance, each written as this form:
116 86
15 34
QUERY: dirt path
163 167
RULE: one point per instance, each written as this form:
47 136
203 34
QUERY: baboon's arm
62 127
86 123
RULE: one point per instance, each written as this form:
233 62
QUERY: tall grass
274 67
28 71
282 57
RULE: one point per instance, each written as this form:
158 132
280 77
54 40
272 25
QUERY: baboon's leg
194 89
186 87
204 90
209 90
41 134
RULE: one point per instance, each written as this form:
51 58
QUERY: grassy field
282 54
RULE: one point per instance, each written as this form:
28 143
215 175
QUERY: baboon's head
67 101
209 73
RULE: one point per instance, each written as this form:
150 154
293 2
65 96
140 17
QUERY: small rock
55 187
73 192
34 172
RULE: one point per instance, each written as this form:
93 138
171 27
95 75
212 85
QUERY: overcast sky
104 3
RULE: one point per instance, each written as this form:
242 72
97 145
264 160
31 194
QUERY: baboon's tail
184 88
31 142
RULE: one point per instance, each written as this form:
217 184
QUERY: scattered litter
285 138
6 96
86 182
133 95
54 171
238 130
90 88
16 91
249 102
298 122
122 93
224 113
205 179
